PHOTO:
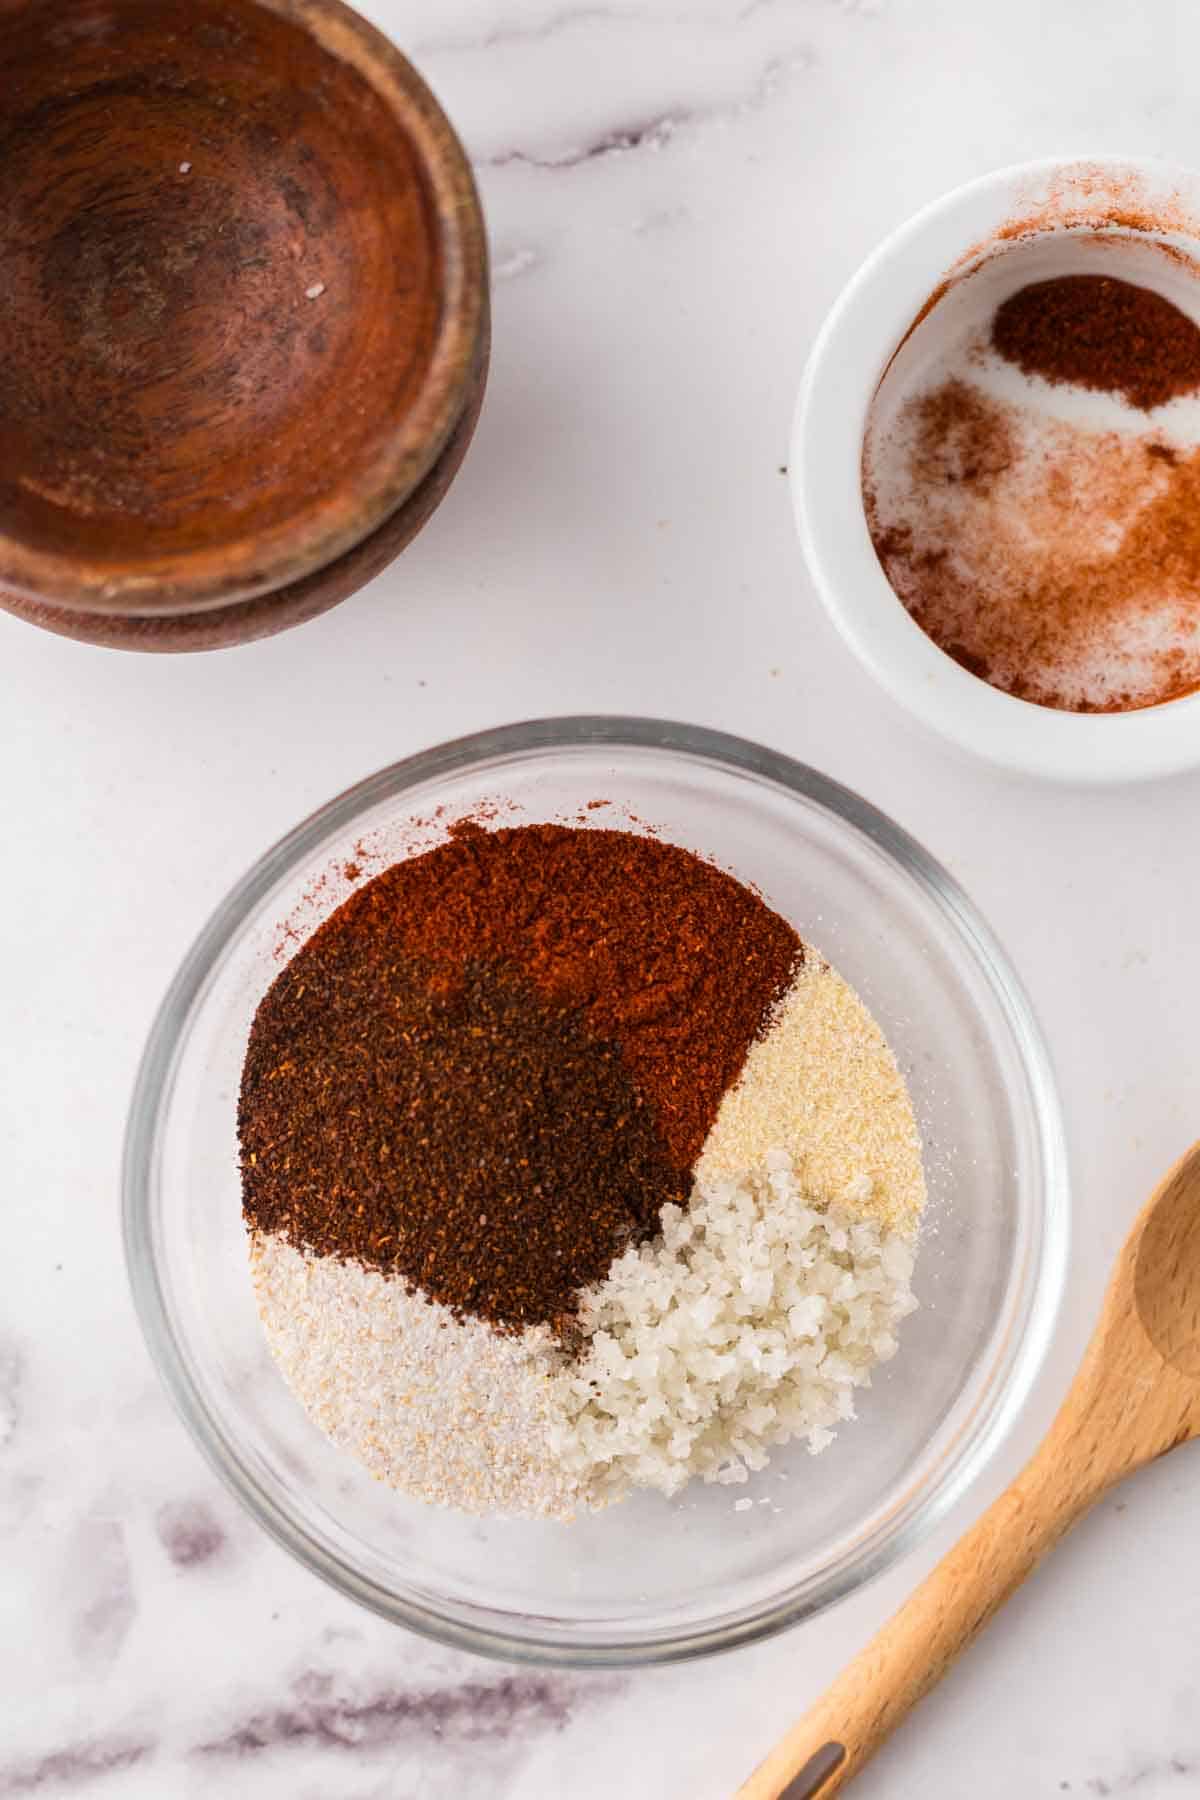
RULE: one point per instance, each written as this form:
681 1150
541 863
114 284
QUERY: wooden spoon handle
913 1651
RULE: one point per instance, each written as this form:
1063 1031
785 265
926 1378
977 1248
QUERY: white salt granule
748 1322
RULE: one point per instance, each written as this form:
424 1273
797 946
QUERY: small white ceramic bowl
1075 199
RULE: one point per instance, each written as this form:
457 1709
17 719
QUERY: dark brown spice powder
476 1140
1096 331
494 1064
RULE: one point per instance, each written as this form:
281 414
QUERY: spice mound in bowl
1031 471
569 1169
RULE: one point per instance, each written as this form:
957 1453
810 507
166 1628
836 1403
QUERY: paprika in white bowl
995 466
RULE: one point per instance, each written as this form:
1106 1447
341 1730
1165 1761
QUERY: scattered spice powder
1054 560
495 1063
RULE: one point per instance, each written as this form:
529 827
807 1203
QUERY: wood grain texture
1136 1396
245 299
246 621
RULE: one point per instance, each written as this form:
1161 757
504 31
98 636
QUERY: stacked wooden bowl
245 333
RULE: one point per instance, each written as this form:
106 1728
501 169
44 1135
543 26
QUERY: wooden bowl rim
198 580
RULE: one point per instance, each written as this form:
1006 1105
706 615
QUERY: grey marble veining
657 132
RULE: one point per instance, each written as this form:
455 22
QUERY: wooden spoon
1136 1396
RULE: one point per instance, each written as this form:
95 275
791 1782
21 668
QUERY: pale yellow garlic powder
822 1084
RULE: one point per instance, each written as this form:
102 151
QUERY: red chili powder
662 953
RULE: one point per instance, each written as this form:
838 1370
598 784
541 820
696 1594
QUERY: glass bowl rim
1017 1363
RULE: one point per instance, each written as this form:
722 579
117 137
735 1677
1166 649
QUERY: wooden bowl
245 329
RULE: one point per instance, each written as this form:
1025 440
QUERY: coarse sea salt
748 1322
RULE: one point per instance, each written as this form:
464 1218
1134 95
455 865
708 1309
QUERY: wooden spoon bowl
245 308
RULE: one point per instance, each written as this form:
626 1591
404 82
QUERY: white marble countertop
675 194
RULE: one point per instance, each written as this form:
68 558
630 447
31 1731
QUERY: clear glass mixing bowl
650 1580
